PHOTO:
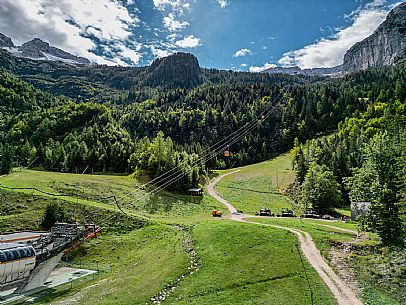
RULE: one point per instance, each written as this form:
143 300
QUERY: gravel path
341 292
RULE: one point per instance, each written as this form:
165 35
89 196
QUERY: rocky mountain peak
40 50
34 48
384 47
5 41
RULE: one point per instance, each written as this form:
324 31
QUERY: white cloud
242 52
329 52
69 24
160 4
178 6
243 65
132 55
160 52
188 42
223 3
266 66
172 24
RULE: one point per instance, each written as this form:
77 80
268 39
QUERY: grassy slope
259 185
382 280
164 206
248 264
323 236
239 261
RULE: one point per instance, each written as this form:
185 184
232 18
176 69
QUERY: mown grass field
92 190
248 264
259 185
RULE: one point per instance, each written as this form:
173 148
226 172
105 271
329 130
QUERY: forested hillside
364 161
123 135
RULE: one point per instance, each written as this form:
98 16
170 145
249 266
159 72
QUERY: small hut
195 191
358 209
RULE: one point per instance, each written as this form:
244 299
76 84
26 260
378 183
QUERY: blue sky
248 35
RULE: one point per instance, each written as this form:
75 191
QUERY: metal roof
195 190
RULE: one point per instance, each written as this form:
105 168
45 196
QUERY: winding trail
341 292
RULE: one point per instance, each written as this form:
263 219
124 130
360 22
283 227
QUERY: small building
359 208
195 191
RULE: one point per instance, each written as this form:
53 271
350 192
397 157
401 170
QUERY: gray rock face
384 47
65 55
5 41
34 48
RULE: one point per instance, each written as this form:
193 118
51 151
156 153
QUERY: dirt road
341 292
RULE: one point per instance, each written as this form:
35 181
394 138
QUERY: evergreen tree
53 213
6 159
320 189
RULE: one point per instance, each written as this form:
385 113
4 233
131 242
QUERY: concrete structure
16 263
40 274
27 263
57 277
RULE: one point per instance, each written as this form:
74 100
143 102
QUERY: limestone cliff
385 46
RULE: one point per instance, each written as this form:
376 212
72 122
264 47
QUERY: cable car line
210 156
211 152
253 122
214 154
208 150
206 158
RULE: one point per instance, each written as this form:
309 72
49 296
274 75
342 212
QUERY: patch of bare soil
339 257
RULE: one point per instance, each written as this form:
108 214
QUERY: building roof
195 190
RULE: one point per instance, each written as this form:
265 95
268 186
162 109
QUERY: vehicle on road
264 212
287 213
310 213
216 213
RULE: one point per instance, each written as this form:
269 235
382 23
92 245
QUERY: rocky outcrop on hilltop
5 42
385 46
180 70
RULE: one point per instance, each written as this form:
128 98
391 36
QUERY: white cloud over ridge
242 53
266 66
159 52
70 25
329 52
188 42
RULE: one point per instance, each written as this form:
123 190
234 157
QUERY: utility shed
195 191
359 208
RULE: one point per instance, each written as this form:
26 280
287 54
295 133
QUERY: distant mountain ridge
40 50
386 46
337 70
